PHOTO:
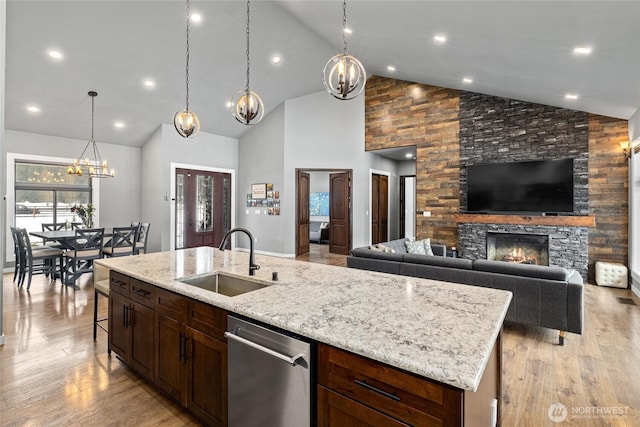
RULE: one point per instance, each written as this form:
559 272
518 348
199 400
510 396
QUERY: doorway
336 193
379 208
202 207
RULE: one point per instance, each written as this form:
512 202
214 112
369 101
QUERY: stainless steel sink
224 284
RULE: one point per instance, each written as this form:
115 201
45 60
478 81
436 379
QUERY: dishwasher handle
292 360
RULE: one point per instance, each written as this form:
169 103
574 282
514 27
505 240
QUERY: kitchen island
443 332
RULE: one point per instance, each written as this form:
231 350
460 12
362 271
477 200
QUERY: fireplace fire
518 248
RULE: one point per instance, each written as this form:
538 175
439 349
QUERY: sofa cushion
397 245
526 270
439 261
422 247
365 252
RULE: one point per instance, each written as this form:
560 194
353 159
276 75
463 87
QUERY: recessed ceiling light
33 109
467 80
408 155
439 38
276 59
571 96
391 68
55 54
229 104
149 83
582 50
118 125
196 18
348 31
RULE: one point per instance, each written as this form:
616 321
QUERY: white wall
3 224
634 126
634 204
164 147
261 160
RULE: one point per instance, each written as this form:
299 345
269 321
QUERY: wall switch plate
257 212
426 213
246 212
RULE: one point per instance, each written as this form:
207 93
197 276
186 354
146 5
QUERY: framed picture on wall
258 191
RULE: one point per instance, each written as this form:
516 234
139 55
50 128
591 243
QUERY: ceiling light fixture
196 18
248 108
348 30
96 167
467 80
55 54
582 50
571 96
391 68
276 59
186 121
33 109
149 83
409 155
344 76
118 125
439 38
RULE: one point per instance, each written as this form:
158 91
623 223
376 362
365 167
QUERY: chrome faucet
252 258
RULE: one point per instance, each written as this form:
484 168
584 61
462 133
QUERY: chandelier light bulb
186 123
248 107
344 76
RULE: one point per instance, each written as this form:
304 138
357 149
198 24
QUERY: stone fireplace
518 248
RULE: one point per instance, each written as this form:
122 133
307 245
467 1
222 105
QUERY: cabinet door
171 359
207 378
142 328
340 411
119 331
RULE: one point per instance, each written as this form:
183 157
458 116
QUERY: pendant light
247 107
344 76
96 167
185 121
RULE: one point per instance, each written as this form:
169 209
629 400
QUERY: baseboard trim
635 290
1 339
276 254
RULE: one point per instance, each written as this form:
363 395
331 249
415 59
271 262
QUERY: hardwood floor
52 373
320 254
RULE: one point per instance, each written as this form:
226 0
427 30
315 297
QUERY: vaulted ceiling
515 49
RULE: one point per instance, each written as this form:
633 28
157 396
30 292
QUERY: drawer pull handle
377 390
142 292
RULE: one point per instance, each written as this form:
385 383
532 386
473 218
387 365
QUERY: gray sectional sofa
551 297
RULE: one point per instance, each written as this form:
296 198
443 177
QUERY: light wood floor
52 373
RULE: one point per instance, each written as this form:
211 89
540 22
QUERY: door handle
377 390
292 360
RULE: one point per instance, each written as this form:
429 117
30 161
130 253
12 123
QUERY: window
45 193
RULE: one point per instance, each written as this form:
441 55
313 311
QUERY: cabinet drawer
119 283
207 319
171 305
406 397
143 292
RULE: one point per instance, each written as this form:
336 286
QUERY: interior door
339 213
302 212
203 207
379 208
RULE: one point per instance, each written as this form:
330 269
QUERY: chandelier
344 76
95 166
186 121
247 106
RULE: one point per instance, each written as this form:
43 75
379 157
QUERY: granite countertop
442 331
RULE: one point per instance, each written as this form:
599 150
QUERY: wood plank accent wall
400 113
608 191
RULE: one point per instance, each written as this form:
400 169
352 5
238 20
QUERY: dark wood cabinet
131 324
337 410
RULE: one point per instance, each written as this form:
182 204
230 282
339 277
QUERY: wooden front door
302 212
339 213
379 208
203 207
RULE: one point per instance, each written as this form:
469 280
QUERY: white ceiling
515 49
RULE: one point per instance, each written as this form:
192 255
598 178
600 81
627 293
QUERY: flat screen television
534 187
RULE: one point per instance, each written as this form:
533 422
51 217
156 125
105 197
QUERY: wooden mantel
568 221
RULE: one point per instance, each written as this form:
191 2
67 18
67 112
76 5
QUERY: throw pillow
427 247
381 248
415 247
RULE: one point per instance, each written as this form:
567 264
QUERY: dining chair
17 253
122 242
36 261
75 225
87 247
141 238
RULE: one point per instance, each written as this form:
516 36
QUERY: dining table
68 241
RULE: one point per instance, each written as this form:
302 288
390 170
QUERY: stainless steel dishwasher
269 377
